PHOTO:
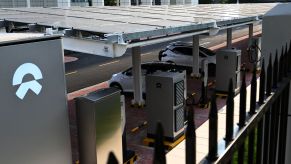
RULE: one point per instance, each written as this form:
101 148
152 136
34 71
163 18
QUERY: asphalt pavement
89 69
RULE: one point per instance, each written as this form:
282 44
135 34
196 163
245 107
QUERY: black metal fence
265 122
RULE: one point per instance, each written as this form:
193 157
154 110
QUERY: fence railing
265 122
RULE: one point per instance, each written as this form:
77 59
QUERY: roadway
89 70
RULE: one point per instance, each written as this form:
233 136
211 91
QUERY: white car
181 54
124 80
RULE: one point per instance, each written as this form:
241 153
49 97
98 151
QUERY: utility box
99 126
166 92
228 62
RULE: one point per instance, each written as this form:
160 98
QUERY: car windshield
207 51
188 51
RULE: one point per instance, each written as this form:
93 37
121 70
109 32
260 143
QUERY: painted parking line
70 73
105 64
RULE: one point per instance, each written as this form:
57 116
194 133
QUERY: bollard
159 152
229 113
213 128
262 84
269 77
243 100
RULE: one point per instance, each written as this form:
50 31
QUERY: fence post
159 152
203 99
287 59
213 128
242 104
229 113
241 153
251 146
283 124
281 67
275 71
285 62
273 132
112 159
259 142
253 92
262 84
289 54
190 133
269 77
266 137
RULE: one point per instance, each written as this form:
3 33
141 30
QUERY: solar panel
134 22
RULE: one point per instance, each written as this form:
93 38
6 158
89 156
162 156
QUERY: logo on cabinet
24 87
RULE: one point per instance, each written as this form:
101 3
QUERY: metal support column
28 3
64 3
195 66
137 81
251 32
228 38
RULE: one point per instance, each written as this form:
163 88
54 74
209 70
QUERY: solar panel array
138 21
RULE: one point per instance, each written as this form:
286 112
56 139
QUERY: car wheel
117 85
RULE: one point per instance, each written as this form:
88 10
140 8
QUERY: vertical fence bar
243 101
281 67
285 62
190 134
283 125
289 54
269 77
287 58
262 84
213 128
259 142
276 124
229 113
272 154
253 92
241 153
159 152
275 71
266 138
112 159
251 146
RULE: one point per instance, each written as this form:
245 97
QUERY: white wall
276 32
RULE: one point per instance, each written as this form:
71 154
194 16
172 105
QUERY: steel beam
229 38
93 47
137 79
195 66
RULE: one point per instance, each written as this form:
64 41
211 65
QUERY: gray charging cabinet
228 62
166 92
99 126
